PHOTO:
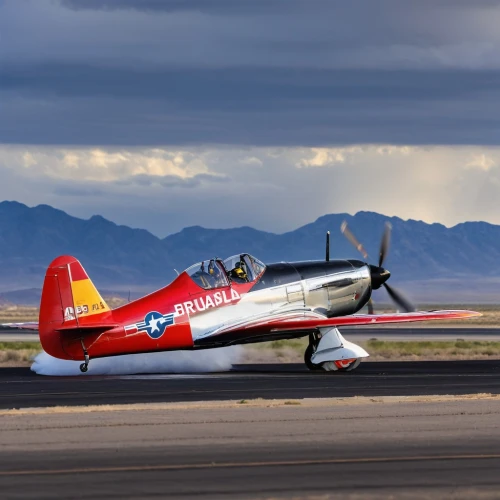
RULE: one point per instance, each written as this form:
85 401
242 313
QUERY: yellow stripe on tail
87 300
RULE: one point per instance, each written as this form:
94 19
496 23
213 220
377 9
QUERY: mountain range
462 261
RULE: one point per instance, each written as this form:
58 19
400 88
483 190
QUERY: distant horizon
122 257
251 227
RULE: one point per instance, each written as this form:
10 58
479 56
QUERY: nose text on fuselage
200 304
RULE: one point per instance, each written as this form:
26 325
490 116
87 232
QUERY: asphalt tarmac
21 388
236 446
316 450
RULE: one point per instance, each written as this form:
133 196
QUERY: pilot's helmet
239 272
211 267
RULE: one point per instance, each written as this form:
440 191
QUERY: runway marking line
225 465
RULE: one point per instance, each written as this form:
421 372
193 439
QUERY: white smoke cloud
203 361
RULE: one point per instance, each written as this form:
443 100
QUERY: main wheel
344 365
307 359
83 367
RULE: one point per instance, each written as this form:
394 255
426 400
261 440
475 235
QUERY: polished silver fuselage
335 288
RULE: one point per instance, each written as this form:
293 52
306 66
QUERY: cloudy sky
168 113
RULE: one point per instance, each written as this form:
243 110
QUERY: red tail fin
69 301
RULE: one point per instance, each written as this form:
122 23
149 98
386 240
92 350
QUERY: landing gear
344 365
84 366
329 351
307 358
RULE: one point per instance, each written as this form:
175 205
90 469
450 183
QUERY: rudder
69 299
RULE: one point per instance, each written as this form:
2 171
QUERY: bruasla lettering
208 301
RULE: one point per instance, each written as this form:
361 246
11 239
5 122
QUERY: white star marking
153 323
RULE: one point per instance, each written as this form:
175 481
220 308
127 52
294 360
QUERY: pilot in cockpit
202 277
216 275
238 273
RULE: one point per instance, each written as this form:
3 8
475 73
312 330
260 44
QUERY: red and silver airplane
217 303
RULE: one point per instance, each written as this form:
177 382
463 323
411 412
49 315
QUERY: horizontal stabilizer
87 328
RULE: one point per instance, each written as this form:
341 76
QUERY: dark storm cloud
313 27
80 104
227 88
237 6
294 72
207 6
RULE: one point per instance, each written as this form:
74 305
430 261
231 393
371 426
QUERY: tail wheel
307 359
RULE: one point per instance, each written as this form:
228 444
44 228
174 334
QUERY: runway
372 449
21 388
251 447
237 446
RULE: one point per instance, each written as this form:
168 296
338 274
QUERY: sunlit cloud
100 165
324 157
164 189
251 160
482 162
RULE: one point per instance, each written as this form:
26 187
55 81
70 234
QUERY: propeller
379 275
350 236
399 299
384 244
370 306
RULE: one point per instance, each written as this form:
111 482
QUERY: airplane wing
308 321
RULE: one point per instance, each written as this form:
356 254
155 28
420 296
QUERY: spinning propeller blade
379 275
370 306
350 236
384 244
399 299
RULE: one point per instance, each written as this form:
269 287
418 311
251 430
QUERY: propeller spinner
379 275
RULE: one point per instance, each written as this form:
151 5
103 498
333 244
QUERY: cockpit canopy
215 273
243 268
209 274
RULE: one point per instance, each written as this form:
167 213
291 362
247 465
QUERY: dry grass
18 353
18 314
292 351
431 350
